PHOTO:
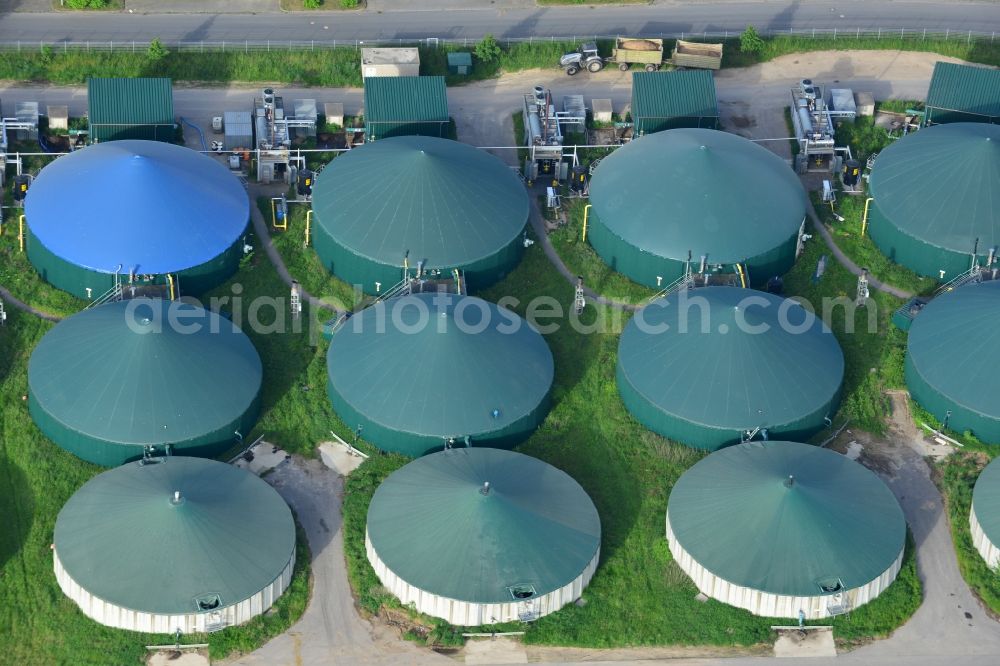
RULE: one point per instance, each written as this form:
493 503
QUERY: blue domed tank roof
150 206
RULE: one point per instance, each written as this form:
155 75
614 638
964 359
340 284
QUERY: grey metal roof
410 98
688 93
966 88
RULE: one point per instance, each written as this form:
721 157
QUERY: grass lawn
865 140
580 257
41 626
325 5
638 596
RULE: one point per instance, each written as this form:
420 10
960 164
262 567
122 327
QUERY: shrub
156 50
348 4
86 4
751 41
312 4
487 49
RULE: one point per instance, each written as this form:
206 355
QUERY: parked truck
626 52
697 55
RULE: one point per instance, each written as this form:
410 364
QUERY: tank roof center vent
790 481
485 490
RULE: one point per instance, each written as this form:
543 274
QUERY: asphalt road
690 17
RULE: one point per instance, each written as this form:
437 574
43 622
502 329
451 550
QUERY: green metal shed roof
698 190
954 345
118 103
730 358
123 539
409 98
123 374
986 501
444 202
966 88
737 515
432 526
440 366
939 185
688 93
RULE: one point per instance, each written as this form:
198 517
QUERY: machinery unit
813 127
543 135
273 129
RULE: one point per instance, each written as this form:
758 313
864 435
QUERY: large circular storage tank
110 381
481 536
934 197
413 200
417 371
780 527
704 366
143 208
953 357
695 193
984 518
184 543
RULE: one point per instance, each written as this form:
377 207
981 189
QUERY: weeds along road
418 20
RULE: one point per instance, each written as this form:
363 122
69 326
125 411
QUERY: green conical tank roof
986 501
724 359
786 518
155 538
144 372
445 203
704 191
435 367
435 525
939 185
954 347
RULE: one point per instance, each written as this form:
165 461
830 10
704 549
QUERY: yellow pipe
20 232
458 280
864 218
743 279
170 281
309 215
586 214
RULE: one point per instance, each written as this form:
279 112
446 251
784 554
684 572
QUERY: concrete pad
179 658
339 457
854 450
266 456
500 650
812 642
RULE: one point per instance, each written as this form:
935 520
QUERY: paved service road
691 17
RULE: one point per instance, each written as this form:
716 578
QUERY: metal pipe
586 214
20 232
864 218
170 281
309 215
743 279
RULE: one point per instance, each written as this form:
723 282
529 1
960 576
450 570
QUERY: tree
156 50
751 41
488 50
